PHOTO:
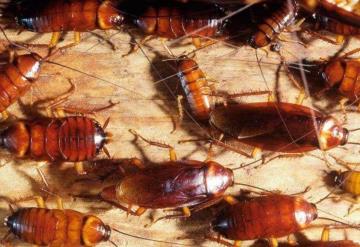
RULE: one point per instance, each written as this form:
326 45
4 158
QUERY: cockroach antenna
149 239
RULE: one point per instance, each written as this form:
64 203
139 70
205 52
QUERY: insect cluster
271 156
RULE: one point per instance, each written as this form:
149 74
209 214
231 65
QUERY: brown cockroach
196 88
61 227
173 184
281 127
166 21
17 78
330 17
188 184
175 21
275 24
339 73
72 139
270 216
58 16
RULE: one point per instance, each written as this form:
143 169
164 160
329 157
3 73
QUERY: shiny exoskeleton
332 18
54 227
173 184
269 216
348 181
66 15
174 21
343 74
17 78
196 88
60 139
276 23
281 127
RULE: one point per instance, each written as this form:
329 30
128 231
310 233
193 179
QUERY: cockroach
339 73
166 21
330 17
343 73
72 139
282 127
173 184
275 24
62 227
196 88
49 227
17 78
270 216
174 21
58 16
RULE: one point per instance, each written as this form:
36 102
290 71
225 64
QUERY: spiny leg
185 214
172 152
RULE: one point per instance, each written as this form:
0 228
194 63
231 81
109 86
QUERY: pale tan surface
150 110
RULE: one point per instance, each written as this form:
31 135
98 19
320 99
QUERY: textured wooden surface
147 106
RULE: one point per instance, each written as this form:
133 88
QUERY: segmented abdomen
196 88
172 22
16 79
351 182
59 15
65 139
274 24
53 227
265 217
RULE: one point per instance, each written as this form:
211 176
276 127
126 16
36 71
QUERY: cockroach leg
185 214
256 152
231 200
181 112
136 45
342 103
79 167
273 242
40 201
4 115
172 152
137 162
325 234
54 39
140 211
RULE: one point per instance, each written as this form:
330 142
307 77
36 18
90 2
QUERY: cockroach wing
347 14
165 186
250 120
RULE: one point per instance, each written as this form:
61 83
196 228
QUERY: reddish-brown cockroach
17 78
172 184
196 88
166 21
73 139
330 17
61 227
169 21
281 127
270 216
339 73
58 16
275 24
